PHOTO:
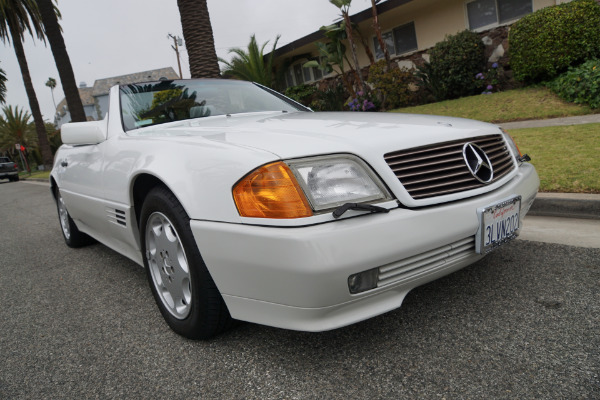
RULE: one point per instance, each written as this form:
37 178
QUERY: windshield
154 103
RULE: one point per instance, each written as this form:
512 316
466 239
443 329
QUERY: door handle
64 163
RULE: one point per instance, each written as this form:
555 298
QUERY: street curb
34 179
567 205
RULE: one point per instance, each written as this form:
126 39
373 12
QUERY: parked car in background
8 169
243 204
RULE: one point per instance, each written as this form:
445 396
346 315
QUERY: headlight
332 181
297 187
511 144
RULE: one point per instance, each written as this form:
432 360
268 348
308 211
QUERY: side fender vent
116 216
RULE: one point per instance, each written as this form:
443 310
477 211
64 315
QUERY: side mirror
78 133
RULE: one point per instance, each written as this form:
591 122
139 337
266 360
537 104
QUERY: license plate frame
499 223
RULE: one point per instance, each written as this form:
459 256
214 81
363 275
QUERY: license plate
499 224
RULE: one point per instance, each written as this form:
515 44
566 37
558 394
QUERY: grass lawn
513 105
567 158
36 174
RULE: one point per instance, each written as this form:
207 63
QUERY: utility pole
177 41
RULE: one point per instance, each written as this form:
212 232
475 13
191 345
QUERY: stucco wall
433 20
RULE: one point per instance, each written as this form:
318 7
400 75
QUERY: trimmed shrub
303 94
579 85
547 42
453 64
392 86
331 99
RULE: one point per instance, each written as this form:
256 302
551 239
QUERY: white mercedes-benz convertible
243 204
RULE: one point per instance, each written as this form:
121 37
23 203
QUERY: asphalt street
82 323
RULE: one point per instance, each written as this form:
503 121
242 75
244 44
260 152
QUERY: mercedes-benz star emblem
478 162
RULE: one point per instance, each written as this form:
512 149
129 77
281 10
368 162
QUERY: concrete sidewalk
540 123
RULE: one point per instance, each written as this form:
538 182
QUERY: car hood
290 135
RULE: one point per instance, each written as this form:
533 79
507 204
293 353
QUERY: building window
317 73
307 76
289 80
298 74
400 40
489 12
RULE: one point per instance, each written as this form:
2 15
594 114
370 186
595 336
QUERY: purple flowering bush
361 103
489 81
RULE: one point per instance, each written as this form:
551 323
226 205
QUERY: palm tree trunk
377 29
367 49
199 40
62 60
43 144
361 84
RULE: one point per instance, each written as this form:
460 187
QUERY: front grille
428 262
440 169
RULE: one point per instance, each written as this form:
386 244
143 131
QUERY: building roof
102 86
85 93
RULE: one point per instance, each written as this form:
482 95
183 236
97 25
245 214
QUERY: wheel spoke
168 265
63 216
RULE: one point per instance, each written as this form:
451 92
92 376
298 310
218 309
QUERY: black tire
73 236
14 178
184 291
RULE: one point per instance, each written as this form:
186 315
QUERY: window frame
375 41
497 12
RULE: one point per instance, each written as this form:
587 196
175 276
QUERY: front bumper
6 175
297 278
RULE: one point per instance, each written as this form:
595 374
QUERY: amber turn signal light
271 191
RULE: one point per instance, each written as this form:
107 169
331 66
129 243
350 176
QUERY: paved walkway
539 123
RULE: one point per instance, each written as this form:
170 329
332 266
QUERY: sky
117 37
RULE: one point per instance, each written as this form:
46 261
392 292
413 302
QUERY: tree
344 6
199 40
2 86
49 15
250 65
51 83
332 54
16 18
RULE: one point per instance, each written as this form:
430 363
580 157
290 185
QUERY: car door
79 172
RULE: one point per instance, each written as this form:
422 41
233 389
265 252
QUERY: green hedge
452 66
580 85
547 42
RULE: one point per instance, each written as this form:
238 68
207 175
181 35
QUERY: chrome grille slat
420 150
421 158
432 171
466 178
440 169
457 160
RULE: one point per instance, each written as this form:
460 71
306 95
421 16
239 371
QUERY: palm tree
51 83
50 15
2 86
250 65
198 36
16 18
344 6
15 128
